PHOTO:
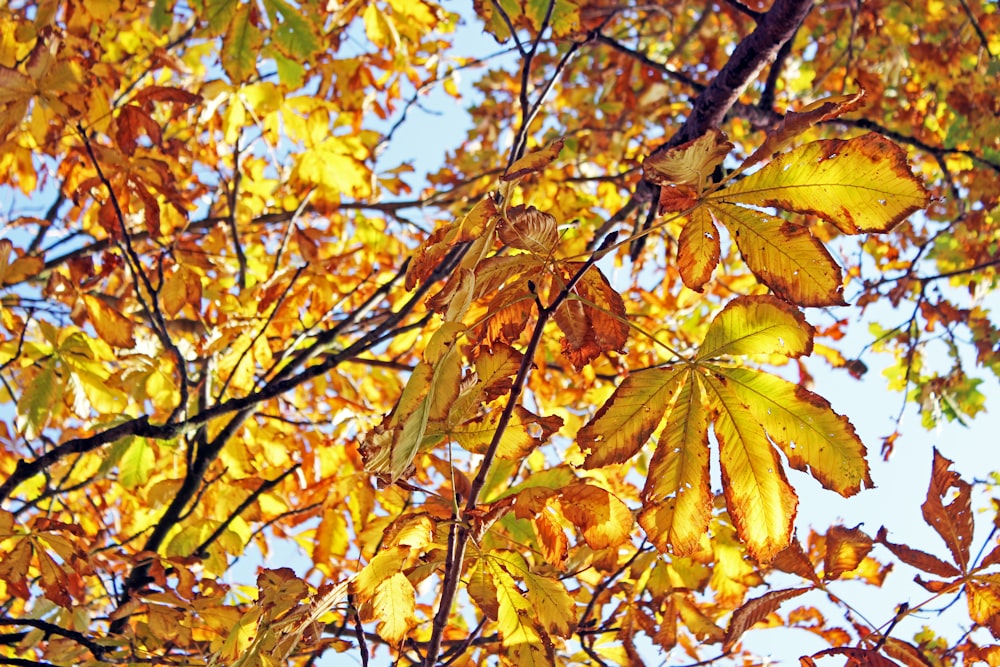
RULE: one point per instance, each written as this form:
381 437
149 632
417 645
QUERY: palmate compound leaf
952 520
593 319
524 643
677 498
859 185
748 410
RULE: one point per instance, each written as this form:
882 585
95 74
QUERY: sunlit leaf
761 502
757 325
860 185
677 499
624 423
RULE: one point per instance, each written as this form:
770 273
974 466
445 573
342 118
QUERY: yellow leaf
983 592
519 636
604 520
691 163
524 432
333 167
113 327
180 288
813 437
677 497
554 608
624 423
859 185
757 325
784 256
760 500
380 568
698 249
394 605
379 28
533 162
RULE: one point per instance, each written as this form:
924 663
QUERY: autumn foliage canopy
292 375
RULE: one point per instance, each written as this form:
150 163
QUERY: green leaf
35 403
292 34
240 46
137 463
162 16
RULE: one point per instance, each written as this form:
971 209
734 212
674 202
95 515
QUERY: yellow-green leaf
784 256
524 432
137 463
627 419
757 325
240 45
859 185
761 502
677 498
813 437
554 608
515 619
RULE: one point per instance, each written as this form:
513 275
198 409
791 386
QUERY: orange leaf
604 520
533 162
698 249
527 228
691 163
111 325
845 549
594 323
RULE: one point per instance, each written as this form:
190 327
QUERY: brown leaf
917 558
952 521
756 610
906 653
132 121
845 549
856 657
594 323
793 560
527 228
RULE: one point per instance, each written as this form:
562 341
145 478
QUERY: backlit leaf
627 419
757 610
784 256
691 163
698 249
860 185
595 323
533 162
951 520
111 325
394 604
813 437
761 502
845 549
677 498
604 520
757 325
